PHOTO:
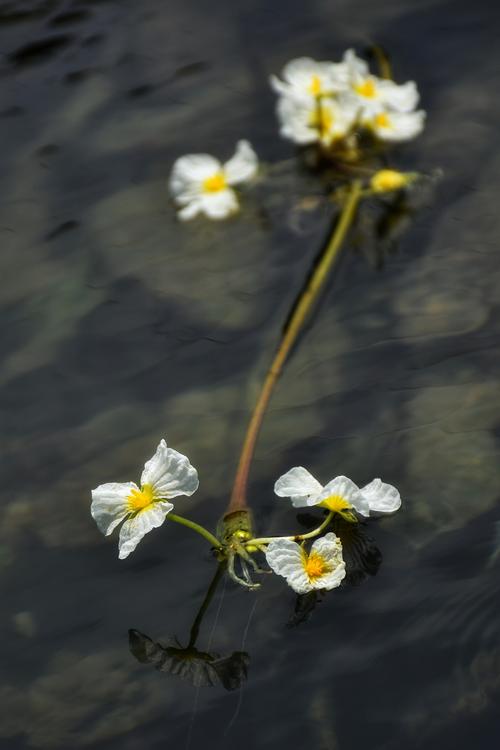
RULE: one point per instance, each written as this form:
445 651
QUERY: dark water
120 326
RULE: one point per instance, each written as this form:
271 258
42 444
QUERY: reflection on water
197 667
200 668
119 326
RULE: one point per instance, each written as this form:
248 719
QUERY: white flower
395 126
340 495
199 183
306 78
322 568
371 91
307 121
166 475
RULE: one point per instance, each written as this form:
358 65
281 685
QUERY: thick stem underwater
195 627
196 527
310 294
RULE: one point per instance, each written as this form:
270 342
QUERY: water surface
120 325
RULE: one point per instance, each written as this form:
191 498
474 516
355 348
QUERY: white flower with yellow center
199 183
371 92
306 78
166 475
340 495
394 126
325 120
322 568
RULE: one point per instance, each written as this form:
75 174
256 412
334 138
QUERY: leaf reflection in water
200 668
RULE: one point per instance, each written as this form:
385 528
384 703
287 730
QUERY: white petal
345 488
190 210
330 549
170 473
299 485
402 98
381 497
304 67
295 118
243 165
355 65
220 205
277 85
135 528
109 504
404 126
286 559
300 73
190 171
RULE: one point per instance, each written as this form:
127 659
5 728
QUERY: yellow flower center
382 120
336 503
322 119
215 183
140 499
315 566
315 87
386 180
367 89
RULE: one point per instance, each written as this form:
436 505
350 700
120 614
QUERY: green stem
196 527
195 627
297 537
307 299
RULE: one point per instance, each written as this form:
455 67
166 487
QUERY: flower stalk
296 538
308 298
196 527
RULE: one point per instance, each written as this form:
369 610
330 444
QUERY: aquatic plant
343 118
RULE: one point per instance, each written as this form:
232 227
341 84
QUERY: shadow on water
120 325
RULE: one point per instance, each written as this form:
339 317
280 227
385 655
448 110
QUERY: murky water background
120 326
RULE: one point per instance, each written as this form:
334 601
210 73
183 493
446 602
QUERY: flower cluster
330 103
323 567
169 474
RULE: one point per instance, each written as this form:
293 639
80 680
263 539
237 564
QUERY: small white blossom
395 126
166 475
309 121
322 568
304 78
371 92
199 183
340 494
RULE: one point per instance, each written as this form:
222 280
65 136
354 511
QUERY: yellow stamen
315 87
382 120
367 89
322 119
315 566
386 180
336 503
215 183
140 499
